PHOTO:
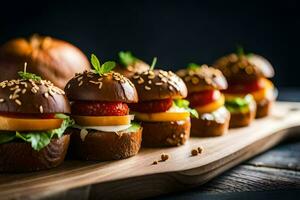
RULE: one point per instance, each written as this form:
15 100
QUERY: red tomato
245 87
152 106
29 115
204 97
96 108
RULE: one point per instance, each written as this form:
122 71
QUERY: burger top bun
53 59
203 78
128 71
32 96
91 86
241 68
129 64
158 84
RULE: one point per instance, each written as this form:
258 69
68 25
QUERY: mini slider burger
129 64
104 129
247 80
164 115
32 124
204 84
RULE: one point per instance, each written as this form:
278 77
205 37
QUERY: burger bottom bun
211 124
166 134
239 119
263 108
21 157
103 146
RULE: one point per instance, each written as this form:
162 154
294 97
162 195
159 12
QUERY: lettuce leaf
239 104
133 128
39 140
182 103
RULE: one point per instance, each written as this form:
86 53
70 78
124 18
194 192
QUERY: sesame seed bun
128 71
90 86
32 97
159 84
203 78
240 68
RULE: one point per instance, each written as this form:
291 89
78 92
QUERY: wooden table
274 174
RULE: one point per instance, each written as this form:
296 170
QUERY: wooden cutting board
136 177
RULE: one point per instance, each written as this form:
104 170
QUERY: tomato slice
246 87
204 97
155 106
97 108
29 115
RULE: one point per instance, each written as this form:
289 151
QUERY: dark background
177 32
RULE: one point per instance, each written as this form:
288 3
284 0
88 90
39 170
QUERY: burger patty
96 108
155 106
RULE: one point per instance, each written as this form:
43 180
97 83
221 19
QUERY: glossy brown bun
159 84
239 68
165 134
21 157
90 86
203 78
104 146
53 59
211 124
32 97
243 119
263 108
128 71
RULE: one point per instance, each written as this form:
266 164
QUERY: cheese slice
25 124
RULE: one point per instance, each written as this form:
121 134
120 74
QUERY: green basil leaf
107 66
95 62
126 58
193 66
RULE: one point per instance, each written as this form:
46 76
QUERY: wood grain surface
136 177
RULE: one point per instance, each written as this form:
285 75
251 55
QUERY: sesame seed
68 86
195 80
41 109
10 96
100 85
147 87
80 83
158 83
149 82
170 88
18 102
141 80
2 100
23 91
46 94
151 76
136 77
